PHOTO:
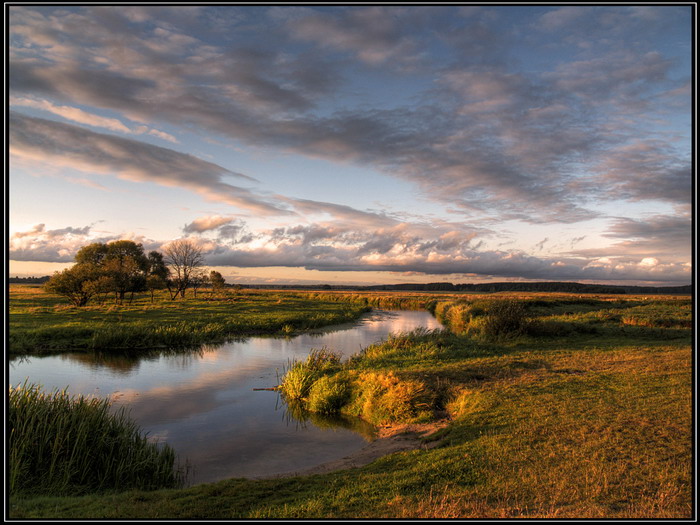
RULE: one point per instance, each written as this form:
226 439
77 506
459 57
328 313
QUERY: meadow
40 322
555 406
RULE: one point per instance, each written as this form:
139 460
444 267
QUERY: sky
357 144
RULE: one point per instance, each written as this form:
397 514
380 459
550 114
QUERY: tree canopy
119 267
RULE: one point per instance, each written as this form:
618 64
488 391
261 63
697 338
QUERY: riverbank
587 416
40 322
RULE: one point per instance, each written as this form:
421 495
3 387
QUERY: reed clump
301 375
61 444
322 385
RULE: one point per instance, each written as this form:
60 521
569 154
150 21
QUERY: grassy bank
583 412
60 444
42 322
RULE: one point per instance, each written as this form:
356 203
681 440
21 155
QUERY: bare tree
184 257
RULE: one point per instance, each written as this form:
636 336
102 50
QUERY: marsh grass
62 444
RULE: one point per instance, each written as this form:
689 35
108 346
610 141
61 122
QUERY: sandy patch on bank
391 438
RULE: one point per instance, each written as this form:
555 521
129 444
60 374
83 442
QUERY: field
41 322
554 406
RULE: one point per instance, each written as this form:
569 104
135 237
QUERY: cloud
664 237
484 264
487 130
78 148
485 139
203 224
55 245
72 114
646 170
373 34
430 250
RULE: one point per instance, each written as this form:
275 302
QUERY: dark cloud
646 170
490 141
665 237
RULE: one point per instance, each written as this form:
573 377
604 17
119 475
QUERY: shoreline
391 439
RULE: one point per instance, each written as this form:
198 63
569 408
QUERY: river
204 405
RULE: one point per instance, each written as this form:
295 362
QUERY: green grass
60 444
588 418
42 322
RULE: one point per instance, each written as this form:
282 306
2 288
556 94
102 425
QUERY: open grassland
581 408
42 322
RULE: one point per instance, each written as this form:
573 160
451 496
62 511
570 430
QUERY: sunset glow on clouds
358 144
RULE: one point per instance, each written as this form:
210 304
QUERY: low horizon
357 145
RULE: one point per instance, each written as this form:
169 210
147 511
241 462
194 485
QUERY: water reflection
296 413
203 402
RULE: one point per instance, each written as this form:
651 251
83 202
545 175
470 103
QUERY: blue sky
357 144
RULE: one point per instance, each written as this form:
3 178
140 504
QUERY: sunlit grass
41 322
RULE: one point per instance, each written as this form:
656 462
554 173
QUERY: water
203 403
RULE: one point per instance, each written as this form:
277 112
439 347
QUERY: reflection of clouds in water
157 437
180 401
203 404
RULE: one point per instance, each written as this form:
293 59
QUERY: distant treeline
568 287
28 280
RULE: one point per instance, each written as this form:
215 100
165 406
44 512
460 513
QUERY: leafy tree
123 261
78 283
183 257
158 273
119 267
157 266
217 282
94 253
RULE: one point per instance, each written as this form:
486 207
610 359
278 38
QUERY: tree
217 282
123 261
183 257
198 279
117 267
158 273
78 283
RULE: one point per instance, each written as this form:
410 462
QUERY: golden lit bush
382 397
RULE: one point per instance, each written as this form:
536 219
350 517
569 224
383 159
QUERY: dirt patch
391 438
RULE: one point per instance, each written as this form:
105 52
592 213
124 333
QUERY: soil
391 438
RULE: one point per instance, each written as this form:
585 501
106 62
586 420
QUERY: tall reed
61 444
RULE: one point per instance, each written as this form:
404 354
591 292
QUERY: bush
505 318
493 318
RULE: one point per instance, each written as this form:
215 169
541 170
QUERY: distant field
581 409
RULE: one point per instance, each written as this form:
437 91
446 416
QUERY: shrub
504 318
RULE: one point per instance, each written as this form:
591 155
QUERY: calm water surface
203 403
